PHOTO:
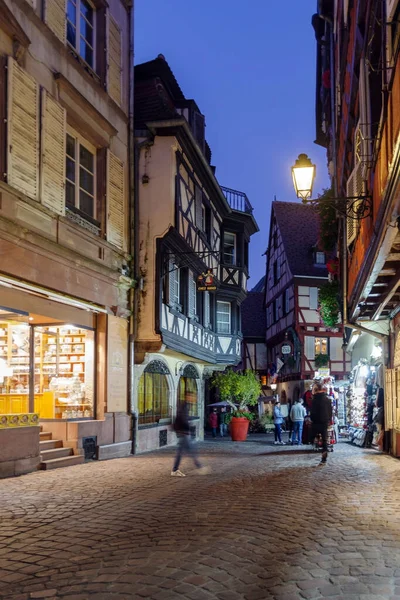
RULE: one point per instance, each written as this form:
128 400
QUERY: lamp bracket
352 207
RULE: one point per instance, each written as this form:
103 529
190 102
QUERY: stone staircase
53 455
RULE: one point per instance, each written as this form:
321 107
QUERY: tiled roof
299 227
254 322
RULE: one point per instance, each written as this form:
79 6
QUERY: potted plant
240 390
321 360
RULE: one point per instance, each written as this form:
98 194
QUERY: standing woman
278 420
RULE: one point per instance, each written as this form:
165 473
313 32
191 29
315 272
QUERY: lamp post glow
303 172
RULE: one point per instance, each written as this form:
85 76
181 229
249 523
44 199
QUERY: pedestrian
213 420
182 430
379 418
321 417
297 414
222 424
278 420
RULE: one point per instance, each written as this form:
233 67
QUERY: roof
260 286
254 322
299 227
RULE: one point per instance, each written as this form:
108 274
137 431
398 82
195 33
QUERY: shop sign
206 282
286 349
324 372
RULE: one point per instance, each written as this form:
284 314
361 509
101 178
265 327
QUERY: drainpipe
132 219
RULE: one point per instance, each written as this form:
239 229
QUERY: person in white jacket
297 415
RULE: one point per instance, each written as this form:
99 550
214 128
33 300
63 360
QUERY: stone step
45 435
66 461
50 444
55 453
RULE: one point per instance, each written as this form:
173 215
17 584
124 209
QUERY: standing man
321 417
222 424
297 414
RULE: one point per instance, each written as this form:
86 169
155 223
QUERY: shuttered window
174 284
192 295
80 175
81 28
114 61
53 154
115 201
54 17
309 347
23 131
313 298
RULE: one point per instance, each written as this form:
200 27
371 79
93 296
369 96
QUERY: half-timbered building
295 271
189 228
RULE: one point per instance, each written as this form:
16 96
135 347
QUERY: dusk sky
251 69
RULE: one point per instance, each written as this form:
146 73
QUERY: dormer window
320 258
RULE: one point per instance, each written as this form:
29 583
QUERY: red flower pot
239 429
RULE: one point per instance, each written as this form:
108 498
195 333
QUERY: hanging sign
206 282
286 349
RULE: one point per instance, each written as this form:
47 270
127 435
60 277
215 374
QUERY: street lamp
351 207
303 172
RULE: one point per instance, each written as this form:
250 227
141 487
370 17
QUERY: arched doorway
153 393
188 390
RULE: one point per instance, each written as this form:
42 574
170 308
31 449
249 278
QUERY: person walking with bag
278 420
182 430
321 417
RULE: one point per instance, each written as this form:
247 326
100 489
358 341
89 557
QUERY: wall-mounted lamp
145 179
273 386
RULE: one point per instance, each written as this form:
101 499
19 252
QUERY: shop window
223 317
80 190
153 394
63 369
321 345
187 391
229 248
80 29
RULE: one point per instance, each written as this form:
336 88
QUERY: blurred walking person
321 417
182 430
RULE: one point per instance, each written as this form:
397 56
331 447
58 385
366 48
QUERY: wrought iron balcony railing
237 200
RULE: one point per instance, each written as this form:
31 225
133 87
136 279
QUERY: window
320 258
80 175
223 317
313 298
80 29
321 345
153 394
206 316
277 271
287 305
229 248
187 392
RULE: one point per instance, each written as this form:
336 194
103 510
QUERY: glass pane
87 11
71 146
71 34
86 52
86 31
71 12
86 181
14 363
86 203
86 158
70 172
70 194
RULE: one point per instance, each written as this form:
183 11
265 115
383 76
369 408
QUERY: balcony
237 200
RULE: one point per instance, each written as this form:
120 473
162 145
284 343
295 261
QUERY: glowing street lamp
303 172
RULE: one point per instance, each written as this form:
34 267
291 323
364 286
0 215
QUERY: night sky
250 66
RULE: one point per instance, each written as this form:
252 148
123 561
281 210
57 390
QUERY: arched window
153 393
187 390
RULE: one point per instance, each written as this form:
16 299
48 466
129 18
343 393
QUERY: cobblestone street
268 523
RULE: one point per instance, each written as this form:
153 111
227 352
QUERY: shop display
63 369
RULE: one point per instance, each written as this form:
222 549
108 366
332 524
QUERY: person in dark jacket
182 430
321 417
213 420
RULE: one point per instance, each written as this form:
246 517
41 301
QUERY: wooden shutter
335 349
53 154
313 298
23 131
55 17
309 347
206 309
114 61
172 281
192 295
115 201
198 207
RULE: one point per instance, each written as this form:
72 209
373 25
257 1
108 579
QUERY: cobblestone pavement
268 523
